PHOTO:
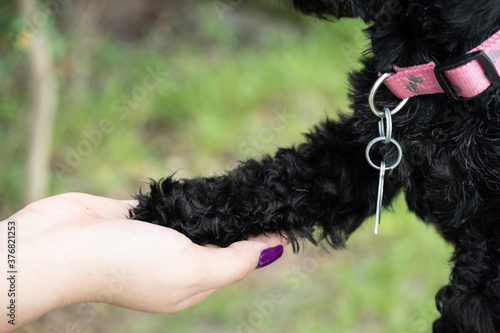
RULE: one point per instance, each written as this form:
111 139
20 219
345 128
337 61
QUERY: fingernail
269 255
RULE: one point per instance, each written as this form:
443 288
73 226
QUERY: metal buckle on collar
488 66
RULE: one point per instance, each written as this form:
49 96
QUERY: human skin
76 247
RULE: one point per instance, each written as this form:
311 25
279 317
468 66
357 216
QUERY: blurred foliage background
144 88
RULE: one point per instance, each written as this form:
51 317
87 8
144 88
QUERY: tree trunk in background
42 105
85 40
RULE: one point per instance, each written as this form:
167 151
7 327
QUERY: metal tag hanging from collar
385 132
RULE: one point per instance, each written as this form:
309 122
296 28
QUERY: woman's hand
76 247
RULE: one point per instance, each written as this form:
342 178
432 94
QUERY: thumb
234 263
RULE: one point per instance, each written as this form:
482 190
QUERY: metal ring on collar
388 124
371 97
381 138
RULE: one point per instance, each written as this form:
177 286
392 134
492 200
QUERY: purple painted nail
269 255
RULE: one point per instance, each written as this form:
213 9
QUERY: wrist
45 274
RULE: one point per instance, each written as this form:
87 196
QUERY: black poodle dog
443 116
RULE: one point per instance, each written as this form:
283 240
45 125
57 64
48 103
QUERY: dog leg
471 302
324 182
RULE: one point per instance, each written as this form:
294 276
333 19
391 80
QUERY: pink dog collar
460 78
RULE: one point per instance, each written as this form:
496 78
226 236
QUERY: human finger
232 264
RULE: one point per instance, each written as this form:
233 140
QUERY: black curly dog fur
449 173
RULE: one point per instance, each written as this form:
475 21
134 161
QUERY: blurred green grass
224 94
